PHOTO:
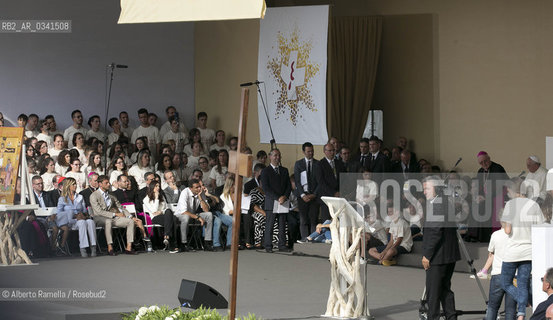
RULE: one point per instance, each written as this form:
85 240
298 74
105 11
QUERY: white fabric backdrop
292 63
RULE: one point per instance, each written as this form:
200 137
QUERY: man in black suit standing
277 187
378 162
327 177
350 165
547 287
440 252
404 166
364 154
305 191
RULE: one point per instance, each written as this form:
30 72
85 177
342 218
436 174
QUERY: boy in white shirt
400 239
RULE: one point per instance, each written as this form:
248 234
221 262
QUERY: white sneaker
328 241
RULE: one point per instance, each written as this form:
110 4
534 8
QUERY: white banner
292 63
148 11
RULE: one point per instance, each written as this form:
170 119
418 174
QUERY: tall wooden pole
241 165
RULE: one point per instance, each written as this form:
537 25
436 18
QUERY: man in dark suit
92 186
123 193
327 177
405 166
277 187
547 287
308 205
491 179
364 155
350 165
440 252
378 162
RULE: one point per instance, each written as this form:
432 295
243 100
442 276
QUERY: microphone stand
111 67
273 141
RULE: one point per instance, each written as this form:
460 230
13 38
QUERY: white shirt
178 137
113 137
218 177
228 204
218 148
497 245
46 138
151 132
366 191
153 206
128 130
70 132
96 134
47 179
138 174
207 136
400 228
538 179
80 178
521 213
166 127
186 202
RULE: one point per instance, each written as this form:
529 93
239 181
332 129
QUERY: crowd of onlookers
164 182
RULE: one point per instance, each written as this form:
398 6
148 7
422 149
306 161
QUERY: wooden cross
241 165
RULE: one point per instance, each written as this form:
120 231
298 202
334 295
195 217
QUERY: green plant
166 313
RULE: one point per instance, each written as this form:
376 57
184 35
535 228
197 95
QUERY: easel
10 251
241 165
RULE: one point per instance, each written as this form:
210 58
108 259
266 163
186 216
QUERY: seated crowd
170 176
141 179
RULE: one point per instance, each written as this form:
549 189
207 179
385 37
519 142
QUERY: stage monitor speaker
193 294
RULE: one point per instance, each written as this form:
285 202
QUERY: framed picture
10 159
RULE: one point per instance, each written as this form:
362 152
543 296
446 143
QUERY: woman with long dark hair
155 206
218 172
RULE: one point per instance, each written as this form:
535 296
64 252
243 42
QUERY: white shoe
328 241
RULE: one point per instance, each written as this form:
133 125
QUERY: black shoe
241 247
284 249
208 247
184 248
218 249
269 250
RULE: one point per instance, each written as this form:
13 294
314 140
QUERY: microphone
247 84
457 163
522 173
120 66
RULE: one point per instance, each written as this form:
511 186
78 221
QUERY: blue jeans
324 235
496 294
218 220
520 292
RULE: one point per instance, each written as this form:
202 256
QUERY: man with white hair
535 181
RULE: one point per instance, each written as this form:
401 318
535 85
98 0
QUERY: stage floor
273 286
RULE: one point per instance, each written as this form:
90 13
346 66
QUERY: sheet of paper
130 208
245 205
303 178
281 208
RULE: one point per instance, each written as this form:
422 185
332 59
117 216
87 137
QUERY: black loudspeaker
193 294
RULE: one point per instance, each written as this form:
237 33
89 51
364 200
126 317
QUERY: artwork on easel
10 154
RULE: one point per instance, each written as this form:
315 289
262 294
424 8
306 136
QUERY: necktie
196 202
309 184
41 201
363 157
277 171
333 168
107 200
